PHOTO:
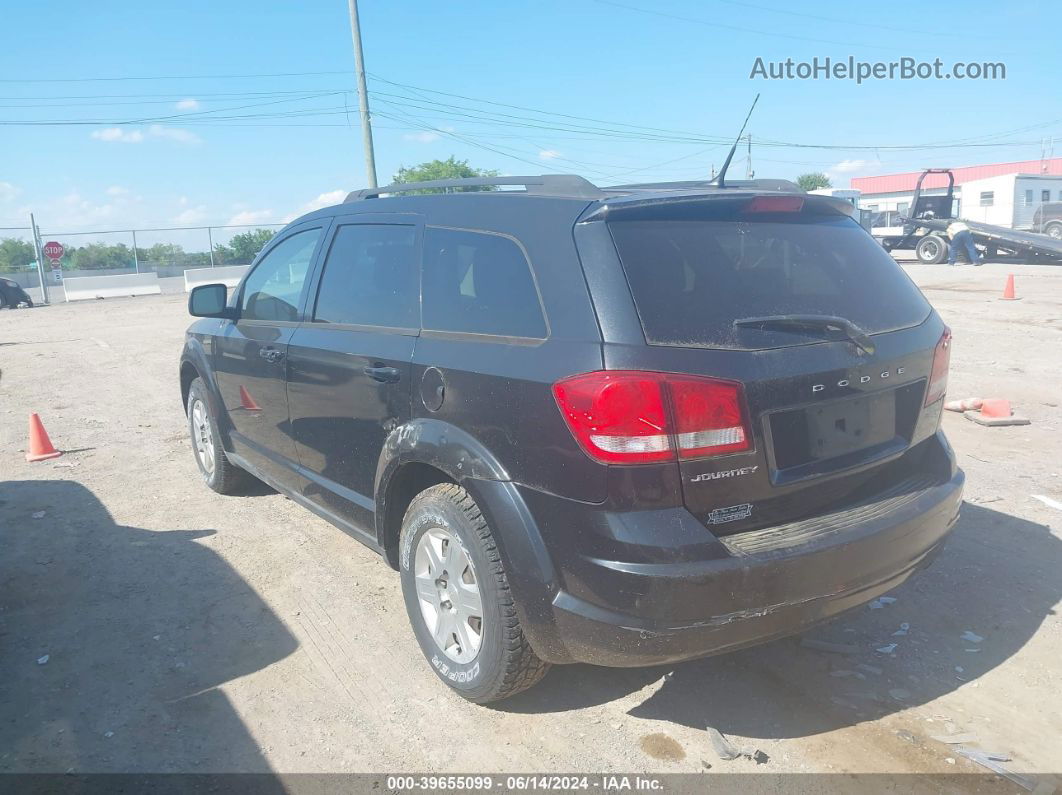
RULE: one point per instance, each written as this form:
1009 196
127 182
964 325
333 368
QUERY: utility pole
39 253
363 95
749 173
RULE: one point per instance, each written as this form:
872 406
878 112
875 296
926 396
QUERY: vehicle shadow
997 577
116 641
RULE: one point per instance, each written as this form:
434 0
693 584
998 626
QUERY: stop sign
53 250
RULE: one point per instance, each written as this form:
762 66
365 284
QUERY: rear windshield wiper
810 323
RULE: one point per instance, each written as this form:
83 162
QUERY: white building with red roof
1005 194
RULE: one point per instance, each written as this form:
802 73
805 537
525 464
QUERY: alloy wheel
448 594
203 436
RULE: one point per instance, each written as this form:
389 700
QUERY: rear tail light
634 417
938 376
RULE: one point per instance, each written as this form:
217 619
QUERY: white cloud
191 216
174 134
8 192
252 217
549 154
848 166
323 200
188 104
421 137
118 134
117 190
103 209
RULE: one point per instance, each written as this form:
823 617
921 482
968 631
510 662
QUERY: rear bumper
744 589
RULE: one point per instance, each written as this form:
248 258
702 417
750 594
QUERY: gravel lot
185 631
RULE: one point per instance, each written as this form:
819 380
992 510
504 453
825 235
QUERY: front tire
1054 230
458 599
218 472
931 250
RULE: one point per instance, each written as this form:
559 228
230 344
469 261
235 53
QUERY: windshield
691 279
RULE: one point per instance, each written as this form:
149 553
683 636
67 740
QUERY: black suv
1048 219
12 295
620 426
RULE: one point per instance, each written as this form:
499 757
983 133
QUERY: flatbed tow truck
924 230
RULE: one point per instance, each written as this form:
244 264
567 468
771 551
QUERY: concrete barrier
88 287
35 294
229 275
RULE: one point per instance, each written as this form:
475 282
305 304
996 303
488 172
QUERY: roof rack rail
570 185
736 184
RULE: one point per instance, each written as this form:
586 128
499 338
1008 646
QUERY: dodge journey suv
621 426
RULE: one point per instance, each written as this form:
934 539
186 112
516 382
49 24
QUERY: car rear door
349 363
822 415
250 352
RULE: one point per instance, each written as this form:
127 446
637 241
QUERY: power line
524 107
163 77
551 121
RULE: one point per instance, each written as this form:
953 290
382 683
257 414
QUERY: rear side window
479 283
692 279
370 277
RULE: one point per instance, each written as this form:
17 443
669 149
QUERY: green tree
451 168
98 256
15 255
813 181
243 248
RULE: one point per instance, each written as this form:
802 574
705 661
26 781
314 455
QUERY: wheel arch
416 455
189 373
195 363
425 452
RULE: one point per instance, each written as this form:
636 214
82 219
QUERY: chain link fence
168 252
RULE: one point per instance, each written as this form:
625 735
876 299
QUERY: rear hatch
831 342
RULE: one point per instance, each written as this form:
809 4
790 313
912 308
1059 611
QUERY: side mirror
210 300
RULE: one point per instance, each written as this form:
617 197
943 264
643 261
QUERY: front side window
272 290
370 277
479 283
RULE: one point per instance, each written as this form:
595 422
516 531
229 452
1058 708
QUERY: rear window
692 278
479 283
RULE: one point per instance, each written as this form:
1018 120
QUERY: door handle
271 354
385 375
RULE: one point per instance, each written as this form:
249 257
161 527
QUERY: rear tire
218 472
1054 230
931 250
451 569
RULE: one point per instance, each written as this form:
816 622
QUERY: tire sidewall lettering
455 674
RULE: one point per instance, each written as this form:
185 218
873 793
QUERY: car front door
349 362
250 352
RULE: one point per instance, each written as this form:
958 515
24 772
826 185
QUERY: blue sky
664 82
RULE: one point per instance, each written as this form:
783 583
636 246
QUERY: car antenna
720 179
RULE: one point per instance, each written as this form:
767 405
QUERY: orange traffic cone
40 446
246 401
995 411
1008 291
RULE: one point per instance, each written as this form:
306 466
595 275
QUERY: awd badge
731 514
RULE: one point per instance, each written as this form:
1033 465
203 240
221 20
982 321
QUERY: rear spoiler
631 207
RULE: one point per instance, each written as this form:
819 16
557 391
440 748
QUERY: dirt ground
148 624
